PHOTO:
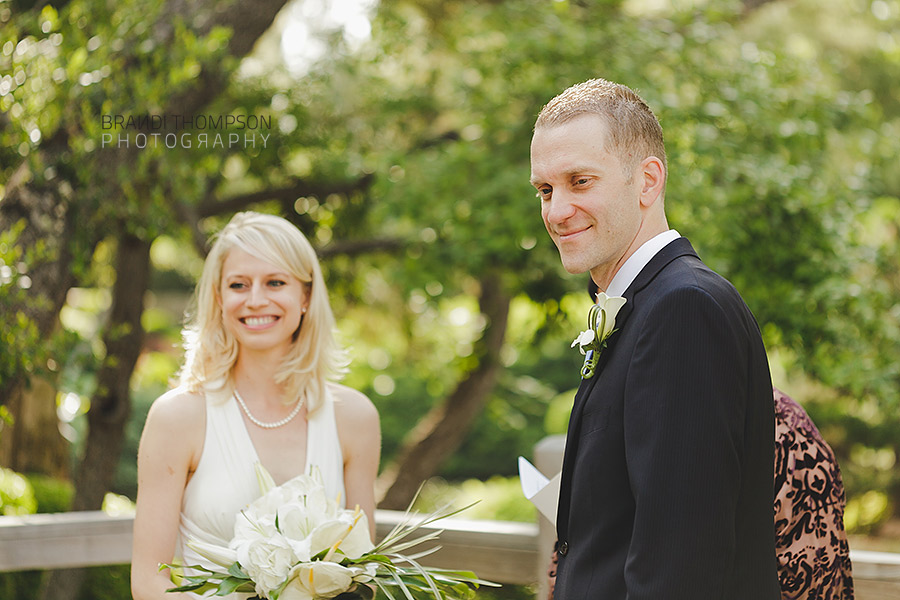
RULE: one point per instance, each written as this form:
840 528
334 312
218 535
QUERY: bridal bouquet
295 543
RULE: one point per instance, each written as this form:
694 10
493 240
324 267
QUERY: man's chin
574 267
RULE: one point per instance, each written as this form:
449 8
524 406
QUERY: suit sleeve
684 427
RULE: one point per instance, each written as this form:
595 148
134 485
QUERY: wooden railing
501 551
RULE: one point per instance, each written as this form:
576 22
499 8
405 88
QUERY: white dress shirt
637 261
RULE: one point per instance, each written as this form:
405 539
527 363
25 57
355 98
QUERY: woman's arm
170 447
360 431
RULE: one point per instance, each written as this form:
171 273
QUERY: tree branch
357 247
289 193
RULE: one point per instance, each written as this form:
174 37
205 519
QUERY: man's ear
653 175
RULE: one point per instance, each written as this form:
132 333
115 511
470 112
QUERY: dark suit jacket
666 490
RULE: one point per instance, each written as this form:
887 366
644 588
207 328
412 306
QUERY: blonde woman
257 386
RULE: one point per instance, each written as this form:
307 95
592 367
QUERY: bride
255 387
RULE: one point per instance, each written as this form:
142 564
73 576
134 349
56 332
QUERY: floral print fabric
810 541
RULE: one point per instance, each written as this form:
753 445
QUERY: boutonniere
601 325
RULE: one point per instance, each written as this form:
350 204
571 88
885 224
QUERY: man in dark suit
666 490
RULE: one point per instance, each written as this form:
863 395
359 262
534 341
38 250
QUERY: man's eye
544 192
581 181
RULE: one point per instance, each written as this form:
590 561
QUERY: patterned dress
810 541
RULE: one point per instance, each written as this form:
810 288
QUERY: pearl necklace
259 423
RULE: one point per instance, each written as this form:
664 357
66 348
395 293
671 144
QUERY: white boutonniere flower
584 340
601 325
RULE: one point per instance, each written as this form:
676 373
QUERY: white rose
318 579
268 562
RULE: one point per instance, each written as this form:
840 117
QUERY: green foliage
22 585
23 350
16 494
52 494
17 497
107 583
496 498
865 512
782 127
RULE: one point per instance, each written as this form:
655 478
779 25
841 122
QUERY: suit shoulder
689 277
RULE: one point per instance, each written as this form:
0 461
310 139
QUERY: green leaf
234 584
235 570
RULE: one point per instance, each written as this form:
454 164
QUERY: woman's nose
258 296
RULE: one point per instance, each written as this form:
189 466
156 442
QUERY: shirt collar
637 261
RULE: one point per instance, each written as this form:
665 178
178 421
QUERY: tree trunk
444 428
33 444
111 403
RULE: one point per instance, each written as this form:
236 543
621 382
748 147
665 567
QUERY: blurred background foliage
401 149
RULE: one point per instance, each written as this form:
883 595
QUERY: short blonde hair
212 351
634 131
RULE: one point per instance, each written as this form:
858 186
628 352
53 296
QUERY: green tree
764 137
66 190
405 159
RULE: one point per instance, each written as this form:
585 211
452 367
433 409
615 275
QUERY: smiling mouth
258 321
571 234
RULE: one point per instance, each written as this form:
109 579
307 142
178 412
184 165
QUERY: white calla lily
220 555
318 579
609 308
264 478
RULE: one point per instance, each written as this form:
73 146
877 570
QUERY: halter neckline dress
225 480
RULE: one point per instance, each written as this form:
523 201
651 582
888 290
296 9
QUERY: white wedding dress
225 480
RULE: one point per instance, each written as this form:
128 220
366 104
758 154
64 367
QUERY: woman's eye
235 285
277 283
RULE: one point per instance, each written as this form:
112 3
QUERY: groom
666 490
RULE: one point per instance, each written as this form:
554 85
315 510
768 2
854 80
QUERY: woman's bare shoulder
352 405
179 409
359 427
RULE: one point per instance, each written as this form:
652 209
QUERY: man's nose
558 209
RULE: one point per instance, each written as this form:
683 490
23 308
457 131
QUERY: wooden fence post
548 458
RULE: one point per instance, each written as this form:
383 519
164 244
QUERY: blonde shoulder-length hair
211 350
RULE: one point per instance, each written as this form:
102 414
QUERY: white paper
543 492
